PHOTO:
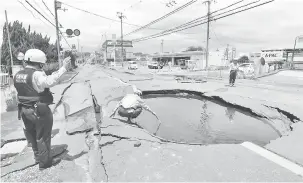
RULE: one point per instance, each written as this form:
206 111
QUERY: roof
282 49
187 53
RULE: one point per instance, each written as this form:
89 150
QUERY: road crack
289 115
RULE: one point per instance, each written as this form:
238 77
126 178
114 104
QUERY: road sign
77 32
111 43
69 32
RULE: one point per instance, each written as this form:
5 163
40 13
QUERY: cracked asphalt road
129 153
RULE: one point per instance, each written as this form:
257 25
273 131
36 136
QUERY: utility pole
207 37
57 6
161 52
9 41
121 16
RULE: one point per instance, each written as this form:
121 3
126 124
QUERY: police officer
34 96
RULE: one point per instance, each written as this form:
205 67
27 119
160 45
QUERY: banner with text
273 56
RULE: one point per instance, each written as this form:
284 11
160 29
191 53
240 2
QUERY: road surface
129 153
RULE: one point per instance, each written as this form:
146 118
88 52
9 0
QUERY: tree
22 40
243 59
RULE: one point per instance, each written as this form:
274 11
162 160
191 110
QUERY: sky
274 25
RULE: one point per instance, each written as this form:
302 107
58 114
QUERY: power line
50 12
193 22
214 19
39 12
205 16
197 19
48 8
101 16
41 8
48 21
163 17
32 13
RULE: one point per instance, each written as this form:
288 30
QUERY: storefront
176 58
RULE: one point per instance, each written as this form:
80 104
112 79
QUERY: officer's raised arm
43 81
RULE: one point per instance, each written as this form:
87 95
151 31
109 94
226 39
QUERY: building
216 58
112 50
283 55
141 56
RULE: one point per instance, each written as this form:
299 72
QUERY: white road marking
295 168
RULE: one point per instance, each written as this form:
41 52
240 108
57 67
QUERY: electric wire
48 21
204 17
50 12
33 13
214 19
193 22
41 9
163 17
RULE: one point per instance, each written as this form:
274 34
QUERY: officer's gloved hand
66 62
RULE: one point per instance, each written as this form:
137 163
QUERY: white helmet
35 55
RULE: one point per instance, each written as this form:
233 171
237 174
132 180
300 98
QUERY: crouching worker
131 107
34 98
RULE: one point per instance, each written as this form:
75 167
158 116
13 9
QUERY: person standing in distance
34 98
233 68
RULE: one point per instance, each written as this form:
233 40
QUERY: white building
215 58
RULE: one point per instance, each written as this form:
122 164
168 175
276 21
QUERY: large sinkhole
193 118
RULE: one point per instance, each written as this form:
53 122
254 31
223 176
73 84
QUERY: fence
5 79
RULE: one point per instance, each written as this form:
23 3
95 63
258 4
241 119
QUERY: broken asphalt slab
175 162
26 159
289 146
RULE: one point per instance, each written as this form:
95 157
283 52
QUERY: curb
269 74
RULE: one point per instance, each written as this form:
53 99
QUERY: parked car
154 65
132 65
246 68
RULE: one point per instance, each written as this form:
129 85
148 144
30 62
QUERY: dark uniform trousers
232 76
38 132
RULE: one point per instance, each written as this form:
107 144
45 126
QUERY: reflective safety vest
26 93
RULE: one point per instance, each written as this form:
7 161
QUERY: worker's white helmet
35 55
